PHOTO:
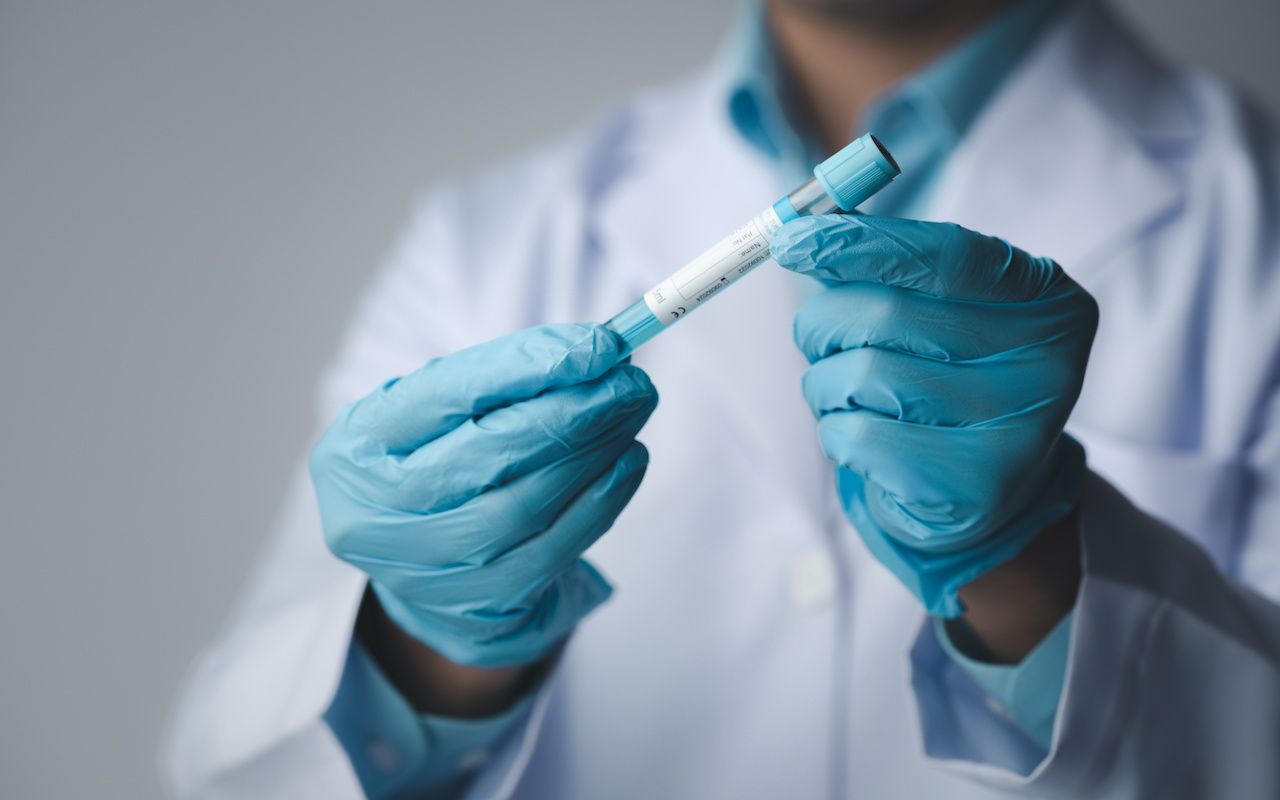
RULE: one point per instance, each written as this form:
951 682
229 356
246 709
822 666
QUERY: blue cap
861 168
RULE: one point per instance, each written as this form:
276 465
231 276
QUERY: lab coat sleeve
250 720
1172 687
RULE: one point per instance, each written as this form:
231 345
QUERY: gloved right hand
469 489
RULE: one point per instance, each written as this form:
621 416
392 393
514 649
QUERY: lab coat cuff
965 732
397 752
267 721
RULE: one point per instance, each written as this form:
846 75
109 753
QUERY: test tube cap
859 170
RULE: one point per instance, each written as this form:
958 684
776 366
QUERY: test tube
839 184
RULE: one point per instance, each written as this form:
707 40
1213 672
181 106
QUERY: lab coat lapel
1059 164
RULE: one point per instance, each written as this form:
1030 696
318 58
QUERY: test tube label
725 262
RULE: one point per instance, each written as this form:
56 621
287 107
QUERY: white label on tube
729 259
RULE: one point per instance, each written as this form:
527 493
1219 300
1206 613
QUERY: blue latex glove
944 366
469 489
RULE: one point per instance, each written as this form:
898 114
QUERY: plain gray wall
191 196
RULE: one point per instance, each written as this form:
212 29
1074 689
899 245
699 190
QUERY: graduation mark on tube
839 184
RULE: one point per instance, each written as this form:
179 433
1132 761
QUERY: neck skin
836 66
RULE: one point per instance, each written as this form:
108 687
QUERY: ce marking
679 312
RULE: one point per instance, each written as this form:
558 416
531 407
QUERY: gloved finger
854 315
449 546
488 451
924 391
407 413
941 259
940 482
584 520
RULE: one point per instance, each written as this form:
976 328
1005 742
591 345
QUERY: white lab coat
753 648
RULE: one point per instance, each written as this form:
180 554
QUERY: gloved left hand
468 490
944 366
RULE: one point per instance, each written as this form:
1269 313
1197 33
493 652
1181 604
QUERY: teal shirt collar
944 97
958 83
756 100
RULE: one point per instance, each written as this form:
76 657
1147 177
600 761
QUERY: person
1043 363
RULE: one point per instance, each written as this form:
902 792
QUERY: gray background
191 196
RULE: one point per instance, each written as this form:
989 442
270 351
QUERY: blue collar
755 99
942 99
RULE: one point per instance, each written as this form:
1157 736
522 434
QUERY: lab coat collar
1068 158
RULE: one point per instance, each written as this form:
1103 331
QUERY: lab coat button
383 755
812 582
